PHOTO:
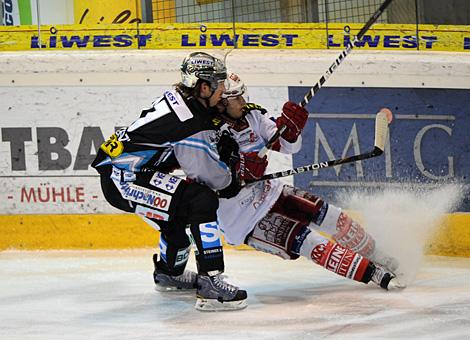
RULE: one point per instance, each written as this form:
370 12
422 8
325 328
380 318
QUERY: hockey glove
294 117
227 148
250 166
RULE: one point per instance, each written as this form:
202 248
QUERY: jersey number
112 146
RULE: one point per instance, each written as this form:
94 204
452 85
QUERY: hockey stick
313 90
382 119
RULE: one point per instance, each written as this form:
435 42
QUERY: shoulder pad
178 105
252 106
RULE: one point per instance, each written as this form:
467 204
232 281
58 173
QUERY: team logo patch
182 257
178 105
317 254
299 240
121 135
210 236
151 213
336 258
165 182
122 175
141 195
321 214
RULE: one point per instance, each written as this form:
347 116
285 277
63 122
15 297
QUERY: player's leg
343 261
174 248
199 209
288 238
154 196
349 233
330 220
177 205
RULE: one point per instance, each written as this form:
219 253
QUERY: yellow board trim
391 37
44 232
453 236
121 231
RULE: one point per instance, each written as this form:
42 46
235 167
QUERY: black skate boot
166 282
214 294
384 278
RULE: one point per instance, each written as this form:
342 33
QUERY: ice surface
110 295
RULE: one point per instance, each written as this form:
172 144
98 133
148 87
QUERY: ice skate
382 277
165 282
214 294
397 282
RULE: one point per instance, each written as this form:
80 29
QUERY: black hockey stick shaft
383 118
314 89
321 165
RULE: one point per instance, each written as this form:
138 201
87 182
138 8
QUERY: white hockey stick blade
383 118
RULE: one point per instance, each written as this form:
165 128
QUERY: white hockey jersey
238 215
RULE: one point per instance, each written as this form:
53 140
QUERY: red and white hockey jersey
238 215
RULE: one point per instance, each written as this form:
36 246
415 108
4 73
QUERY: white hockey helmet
201 65
235 87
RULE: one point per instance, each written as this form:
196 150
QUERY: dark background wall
453 12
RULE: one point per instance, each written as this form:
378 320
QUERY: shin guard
209 255
347 232
352 235
335 258
172 259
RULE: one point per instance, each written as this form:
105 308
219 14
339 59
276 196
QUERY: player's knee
203 203
302 205
284 239
205 199
328 219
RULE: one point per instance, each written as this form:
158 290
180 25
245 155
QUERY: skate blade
164 289
213 305
395 283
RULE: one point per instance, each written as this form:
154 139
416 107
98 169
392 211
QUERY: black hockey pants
192 206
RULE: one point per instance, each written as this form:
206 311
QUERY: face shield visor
214 75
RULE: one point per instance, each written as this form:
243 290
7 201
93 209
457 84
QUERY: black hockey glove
228 148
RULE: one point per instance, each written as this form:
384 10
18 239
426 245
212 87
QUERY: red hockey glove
251 166
294 117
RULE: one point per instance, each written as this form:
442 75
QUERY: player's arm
294 117
245 166
200 161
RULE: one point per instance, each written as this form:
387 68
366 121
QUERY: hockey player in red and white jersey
283 220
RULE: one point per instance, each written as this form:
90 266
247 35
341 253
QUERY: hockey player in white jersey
286 221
